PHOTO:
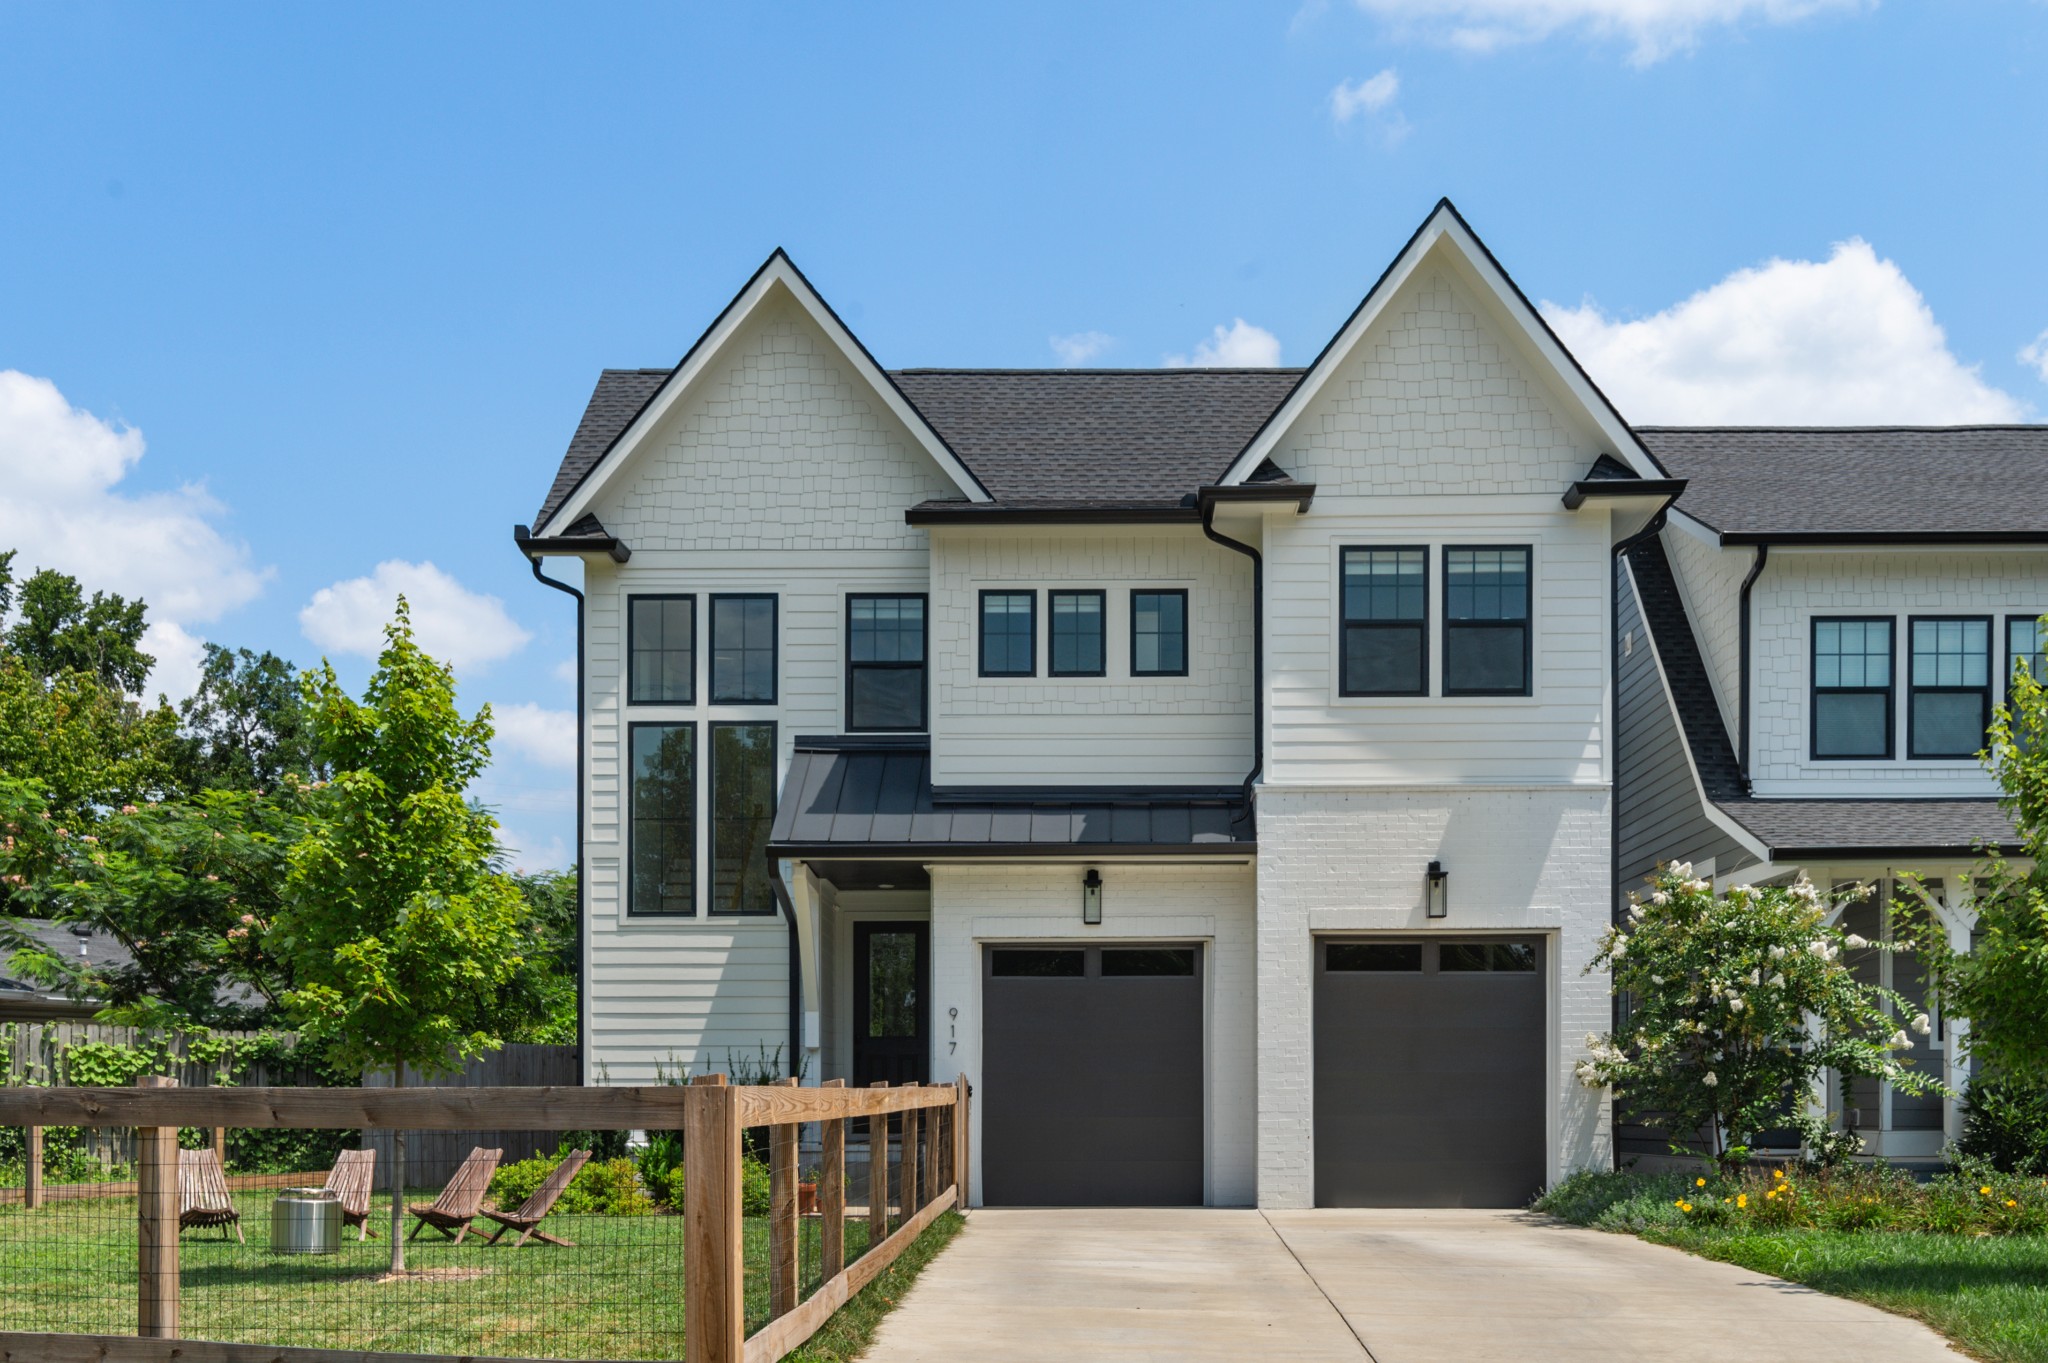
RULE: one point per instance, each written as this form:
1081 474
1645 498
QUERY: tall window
742 650
661 641
1486 621
2025 643
1950 701
1852 688
1159 634
664 819
1386 622
742 811
885 668
1008 634
1077 633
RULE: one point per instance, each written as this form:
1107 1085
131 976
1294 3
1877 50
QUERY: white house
1217 767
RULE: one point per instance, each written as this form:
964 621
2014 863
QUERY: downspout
582 908
1258 659
796 964
1756 567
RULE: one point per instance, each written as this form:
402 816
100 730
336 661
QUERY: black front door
891 1015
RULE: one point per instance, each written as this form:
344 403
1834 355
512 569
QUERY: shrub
1970 1200
2005 1124
603 1188
661 1168
753 1185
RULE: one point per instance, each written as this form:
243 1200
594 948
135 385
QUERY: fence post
832 1192
782 1273
714 1264
32 1172
906 1174
963 1138
932 1158
156 1209
878 1173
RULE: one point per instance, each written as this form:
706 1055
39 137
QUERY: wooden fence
431 1157
932 1176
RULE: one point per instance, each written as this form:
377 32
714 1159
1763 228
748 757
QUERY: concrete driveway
1388 1286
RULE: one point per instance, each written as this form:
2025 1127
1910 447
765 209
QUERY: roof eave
1611 489
576 546
1301 494
1846 539
1082 515
953 851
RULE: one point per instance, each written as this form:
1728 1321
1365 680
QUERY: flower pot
806 1199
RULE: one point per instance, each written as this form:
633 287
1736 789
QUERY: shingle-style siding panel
1710 579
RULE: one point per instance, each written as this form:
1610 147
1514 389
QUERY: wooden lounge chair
349 1181
462 1199
203 1194
530 1213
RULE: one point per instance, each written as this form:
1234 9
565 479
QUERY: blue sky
291 292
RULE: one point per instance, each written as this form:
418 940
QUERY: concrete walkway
1385 1286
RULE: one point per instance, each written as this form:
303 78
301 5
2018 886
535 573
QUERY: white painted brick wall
972 905
1354 861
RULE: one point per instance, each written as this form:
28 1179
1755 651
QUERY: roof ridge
1095 370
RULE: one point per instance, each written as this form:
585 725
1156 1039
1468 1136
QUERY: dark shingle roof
617 399
1699 715
1844 481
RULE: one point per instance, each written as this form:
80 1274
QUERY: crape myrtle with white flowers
1737 1004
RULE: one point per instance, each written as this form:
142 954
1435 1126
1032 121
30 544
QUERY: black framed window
1159 633
1386 622
742 812
885 663
1486 620
1852 687
1009 634
663 815
661 649
1075 643
743 650
1948 703
2026 643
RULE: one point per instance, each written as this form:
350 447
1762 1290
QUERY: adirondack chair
349 1181
527 1217
461 1200
203 1194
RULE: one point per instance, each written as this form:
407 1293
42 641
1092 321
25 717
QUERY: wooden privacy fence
431 1156
931 1177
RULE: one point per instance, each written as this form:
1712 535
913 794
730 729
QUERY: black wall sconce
1091 896
1439 891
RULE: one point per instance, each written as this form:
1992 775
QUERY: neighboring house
1217 767
25 1001
1810 652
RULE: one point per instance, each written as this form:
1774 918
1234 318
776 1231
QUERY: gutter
1576 495
1208 503
1756 567
530 547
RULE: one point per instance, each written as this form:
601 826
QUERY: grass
69 1267
1987 1292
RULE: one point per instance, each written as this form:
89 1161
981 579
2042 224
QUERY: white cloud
2035 355
1080 347
528 852
1654 29
565 671
536 733
178 659
1847 340
62 507
1237 346
460 627
1368 96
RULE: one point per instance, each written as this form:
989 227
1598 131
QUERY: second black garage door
1429 1073
1091 1076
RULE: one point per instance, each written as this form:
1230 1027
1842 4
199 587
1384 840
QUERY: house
1217 767
1811 647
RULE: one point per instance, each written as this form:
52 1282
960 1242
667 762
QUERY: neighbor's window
742 650
1008 634
664 819
2024 643
885 668
1852 688
742 811
1076 644
1486 621
1949 702
1159 634
661 641
1386 622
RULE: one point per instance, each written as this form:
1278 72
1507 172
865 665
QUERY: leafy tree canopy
247 725
90 747
60 631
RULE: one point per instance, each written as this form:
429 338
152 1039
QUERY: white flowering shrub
1739 1002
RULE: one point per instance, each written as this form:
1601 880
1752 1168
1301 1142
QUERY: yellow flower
1985 1191
1742 1199
1778 1173
2011 1203
1699 1183
1771 1194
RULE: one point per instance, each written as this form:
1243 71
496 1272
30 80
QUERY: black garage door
1091 1076
1429 1073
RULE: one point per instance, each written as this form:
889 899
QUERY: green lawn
70 1267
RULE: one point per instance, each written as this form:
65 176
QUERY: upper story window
885 662
1159 633
1009 634
1852 688
743 650
661 643
662 810
742 811
1076 636
2025 643
1386 622
1950 702
1486 621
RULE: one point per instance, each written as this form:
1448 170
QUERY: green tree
90 747
61 631
550 983
1740 1003
401 937
246 726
